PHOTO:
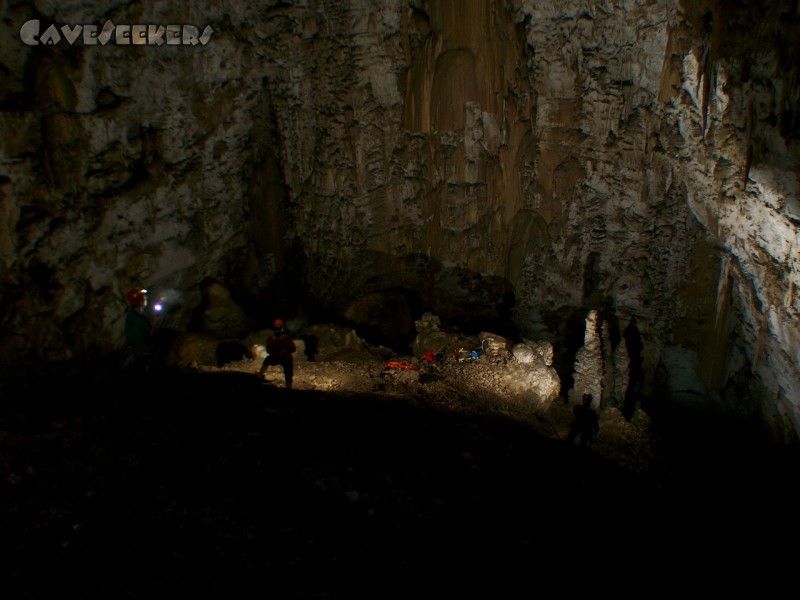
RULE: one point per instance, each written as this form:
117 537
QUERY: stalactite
705 69
706 66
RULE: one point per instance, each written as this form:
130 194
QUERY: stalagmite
589 365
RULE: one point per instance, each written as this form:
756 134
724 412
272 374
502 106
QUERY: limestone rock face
535 381
430 338
529 351
220 315
382 316
520 160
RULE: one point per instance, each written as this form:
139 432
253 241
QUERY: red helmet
278 324
137 296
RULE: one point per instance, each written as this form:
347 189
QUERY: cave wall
544 158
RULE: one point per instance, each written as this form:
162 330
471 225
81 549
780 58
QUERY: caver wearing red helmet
137 297
280 348
139 332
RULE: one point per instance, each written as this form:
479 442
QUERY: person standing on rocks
280 348
586 424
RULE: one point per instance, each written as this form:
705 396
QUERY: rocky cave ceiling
493 162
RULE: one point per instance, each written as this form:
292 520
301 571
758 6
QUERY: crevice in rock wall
714 356
271 276
633 345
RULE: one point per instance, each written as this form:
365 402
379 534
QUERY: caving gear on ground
433 357
466 355
398 364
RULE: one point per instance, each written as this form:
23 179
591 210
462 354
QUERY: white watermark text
122 35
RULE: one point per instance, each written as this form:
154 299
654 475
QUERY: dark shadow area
113 487
385 317
229 351
731 460
570 328
311 346
633 343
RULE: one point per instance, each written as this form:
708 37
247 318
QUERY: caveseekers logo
123 35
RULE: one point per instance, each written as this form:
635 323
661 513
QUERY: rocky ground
362 481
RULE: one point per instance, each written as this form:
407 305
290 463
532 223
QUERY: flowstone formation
492 162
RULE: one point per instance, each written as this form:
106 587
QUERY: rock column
589 365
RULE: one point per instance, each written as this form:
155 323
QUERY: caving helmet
277 325
137 297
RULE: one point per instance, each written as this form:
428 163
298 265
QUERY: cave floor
214 480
